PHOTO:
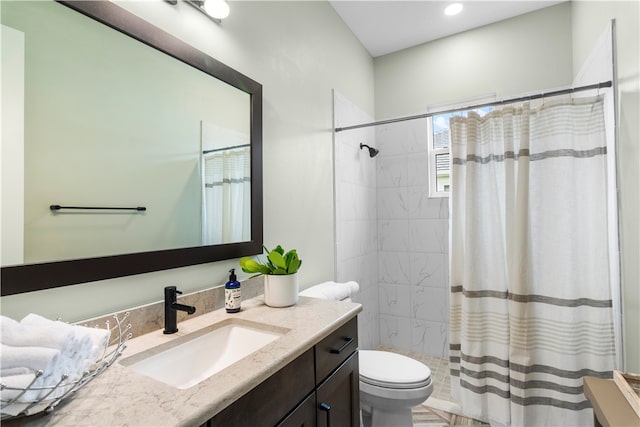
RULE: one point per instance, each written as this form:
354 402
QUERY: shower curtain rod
235 147
488 104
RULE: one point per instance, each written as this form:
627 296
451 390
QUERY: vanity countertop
121 397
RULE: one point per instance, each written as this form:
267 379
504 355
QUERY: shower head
372 151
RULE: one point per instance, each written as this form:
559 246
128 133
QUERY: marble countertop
121 397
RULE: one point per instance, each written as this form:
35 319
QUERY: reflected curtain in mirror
226 185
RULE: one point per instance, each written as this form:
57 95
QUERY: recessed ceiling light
453 9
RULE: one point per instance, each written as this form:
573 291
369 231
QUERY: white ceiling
385 26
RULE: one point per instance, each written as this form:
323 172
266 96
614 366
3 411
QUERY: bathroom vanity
307 376
320 387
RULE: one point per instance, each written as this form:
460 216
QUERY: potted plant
281 278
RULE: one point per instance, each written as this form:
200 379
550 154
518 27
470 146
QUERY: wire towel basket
51 396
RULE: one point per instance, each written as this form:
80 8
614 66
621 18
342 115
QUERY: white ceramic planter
281 290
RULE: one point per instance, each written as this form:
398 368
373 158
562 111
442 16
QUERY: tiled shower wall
412 244
355 215
390 236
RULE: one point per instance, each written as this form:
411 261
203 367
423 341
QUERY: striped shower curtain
227 197
531 310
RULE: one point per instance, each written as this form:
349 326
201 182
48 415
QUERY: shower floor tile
439 372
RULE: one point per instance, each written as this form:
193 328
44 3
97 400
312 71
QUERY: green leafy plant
277 263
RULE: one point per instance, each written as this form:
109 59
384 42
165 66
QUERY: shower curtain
227 197
530 297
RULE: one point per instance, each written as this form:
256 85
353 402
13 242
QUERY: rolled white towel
98 339
37 320
48 335
15 384
47 360
332 290
34 358
84 347
7 372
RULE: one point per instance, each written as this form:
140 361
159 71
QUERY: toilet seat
392 370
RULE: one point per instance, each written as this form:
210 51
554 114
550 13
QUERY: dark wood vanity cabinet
338 398
337 378
303 416
319 388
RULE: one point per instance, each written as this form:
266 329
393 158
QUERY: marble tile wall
390 236
356 215
412 244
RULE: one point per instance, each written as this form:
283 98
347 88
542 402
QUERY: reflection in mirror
120 129
226 185
123 118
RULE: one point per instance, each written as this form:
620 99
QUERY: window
439 142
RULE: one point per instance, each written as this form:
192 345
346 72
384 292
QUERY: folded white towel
48 360
85 347
33 335
56 348
332 290
37 320
98 339
15 384
7 372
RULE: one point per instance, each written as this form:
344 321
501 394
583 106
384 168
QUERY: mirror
182 118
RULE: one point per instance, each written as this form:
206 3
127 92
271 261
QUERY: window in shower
439 141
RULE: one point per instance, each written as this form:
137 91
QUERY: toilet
390 383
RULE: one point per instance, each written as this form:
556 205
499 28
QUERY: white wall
299 51
12 150
526 53
590 18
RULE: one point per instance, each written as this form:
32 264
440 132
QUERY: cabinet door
339 397
273 399
303 416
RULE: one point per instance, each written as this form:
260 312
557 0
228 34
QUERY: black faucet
171 307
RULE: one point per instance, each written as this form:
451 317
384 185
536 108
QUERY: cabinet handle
348 340
325 407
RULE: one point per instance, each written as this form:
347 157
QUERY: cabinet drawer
335 349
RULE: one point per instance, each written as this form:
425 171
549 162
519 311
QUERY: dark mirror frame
34 277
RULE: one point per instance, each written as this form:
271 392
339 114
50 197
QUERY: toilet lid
392 370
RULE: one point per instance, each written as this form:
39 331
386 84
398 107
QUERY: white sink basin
188 360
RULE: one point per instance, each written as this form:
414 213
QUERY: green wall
590 18
530 52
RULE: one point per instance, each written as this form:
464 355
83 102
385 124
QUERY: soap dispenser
232 295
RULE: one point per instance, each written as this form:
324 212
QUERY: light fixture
453 9
218 9
214 9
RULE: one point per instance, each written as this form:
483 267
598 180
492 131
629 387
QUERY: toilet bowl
390 385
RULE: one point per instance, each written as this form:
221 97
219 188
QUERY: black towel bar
58 207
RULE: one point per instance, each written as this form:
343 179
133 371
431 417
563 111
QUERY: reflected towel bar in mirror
58 207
